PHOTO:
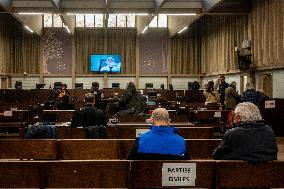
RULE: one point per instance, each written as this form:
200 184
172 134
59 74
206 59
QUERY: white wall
49 81
87 81
278 82
181 83
157 81
27 82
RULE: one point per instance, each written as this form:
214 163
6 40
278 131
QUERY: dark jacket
131 99
161 142
89 116
251 95
222 89
232 98
98 98
252 141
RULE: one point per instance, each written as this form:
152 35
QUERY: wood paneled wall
266 22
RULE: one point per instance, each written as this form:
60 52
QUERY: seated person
89 115
161 142
64 103
249 139
113 106
132 100
111 66
63 91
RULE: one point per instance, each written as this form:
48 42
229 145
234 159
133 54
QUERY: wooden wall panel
267 25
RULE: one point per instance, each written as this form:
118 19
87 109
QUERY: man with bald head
161 142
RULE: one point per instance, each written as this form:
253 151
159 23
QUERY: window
47 20
99 20
121 20
112 20
57 22
131 20
160 21
80 20
89 20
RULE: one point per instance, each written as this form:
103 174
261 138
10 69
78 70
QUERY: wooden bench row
76 149
139 174
132 133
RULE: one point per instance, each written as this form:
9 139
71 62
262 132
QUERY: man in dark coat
251 95
249 139
95 90
161 142
89 115
222 85
132 100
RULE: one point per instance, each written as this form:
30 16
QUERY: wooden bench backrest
61 115
130 132
87 174
241 174
28 149
148 174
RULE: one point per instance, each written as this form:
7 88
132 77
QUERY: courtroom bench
84 149
141 174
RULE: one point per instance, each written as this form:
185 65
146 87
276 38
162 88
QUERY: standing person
249 139
232 98
221 85
95 90
211 95
161 142
132 101
89 115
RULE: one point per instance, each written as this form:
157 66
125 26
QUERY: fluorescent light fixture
145 29
67 29
183 29
180 14
29 29
31 13
135 14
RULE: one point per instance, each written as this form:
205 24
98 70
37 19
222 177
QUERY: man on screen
111 66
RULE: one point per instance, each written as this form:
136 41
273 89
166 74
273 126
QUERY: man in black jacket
249 139
89 115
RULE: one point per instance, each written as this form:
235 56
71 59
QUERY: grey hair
247 112
249 86
160 114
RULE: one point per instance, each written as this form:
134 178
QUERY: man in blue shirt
222 85
161 142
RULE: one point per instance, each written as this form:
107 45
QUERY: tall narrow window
121 20
89 20
99 20
47 20
57 22
131 21
162 21
112 20
153 23
80 20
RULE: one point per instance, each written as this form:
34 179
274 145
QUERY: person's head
131 87
210 86
233 84
246 112
90 98
160 116
249 86
222 78
95 85
115 96
63 86
159 96
110 61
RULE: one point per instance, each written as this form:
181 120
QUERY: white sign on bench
178 174
141 131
